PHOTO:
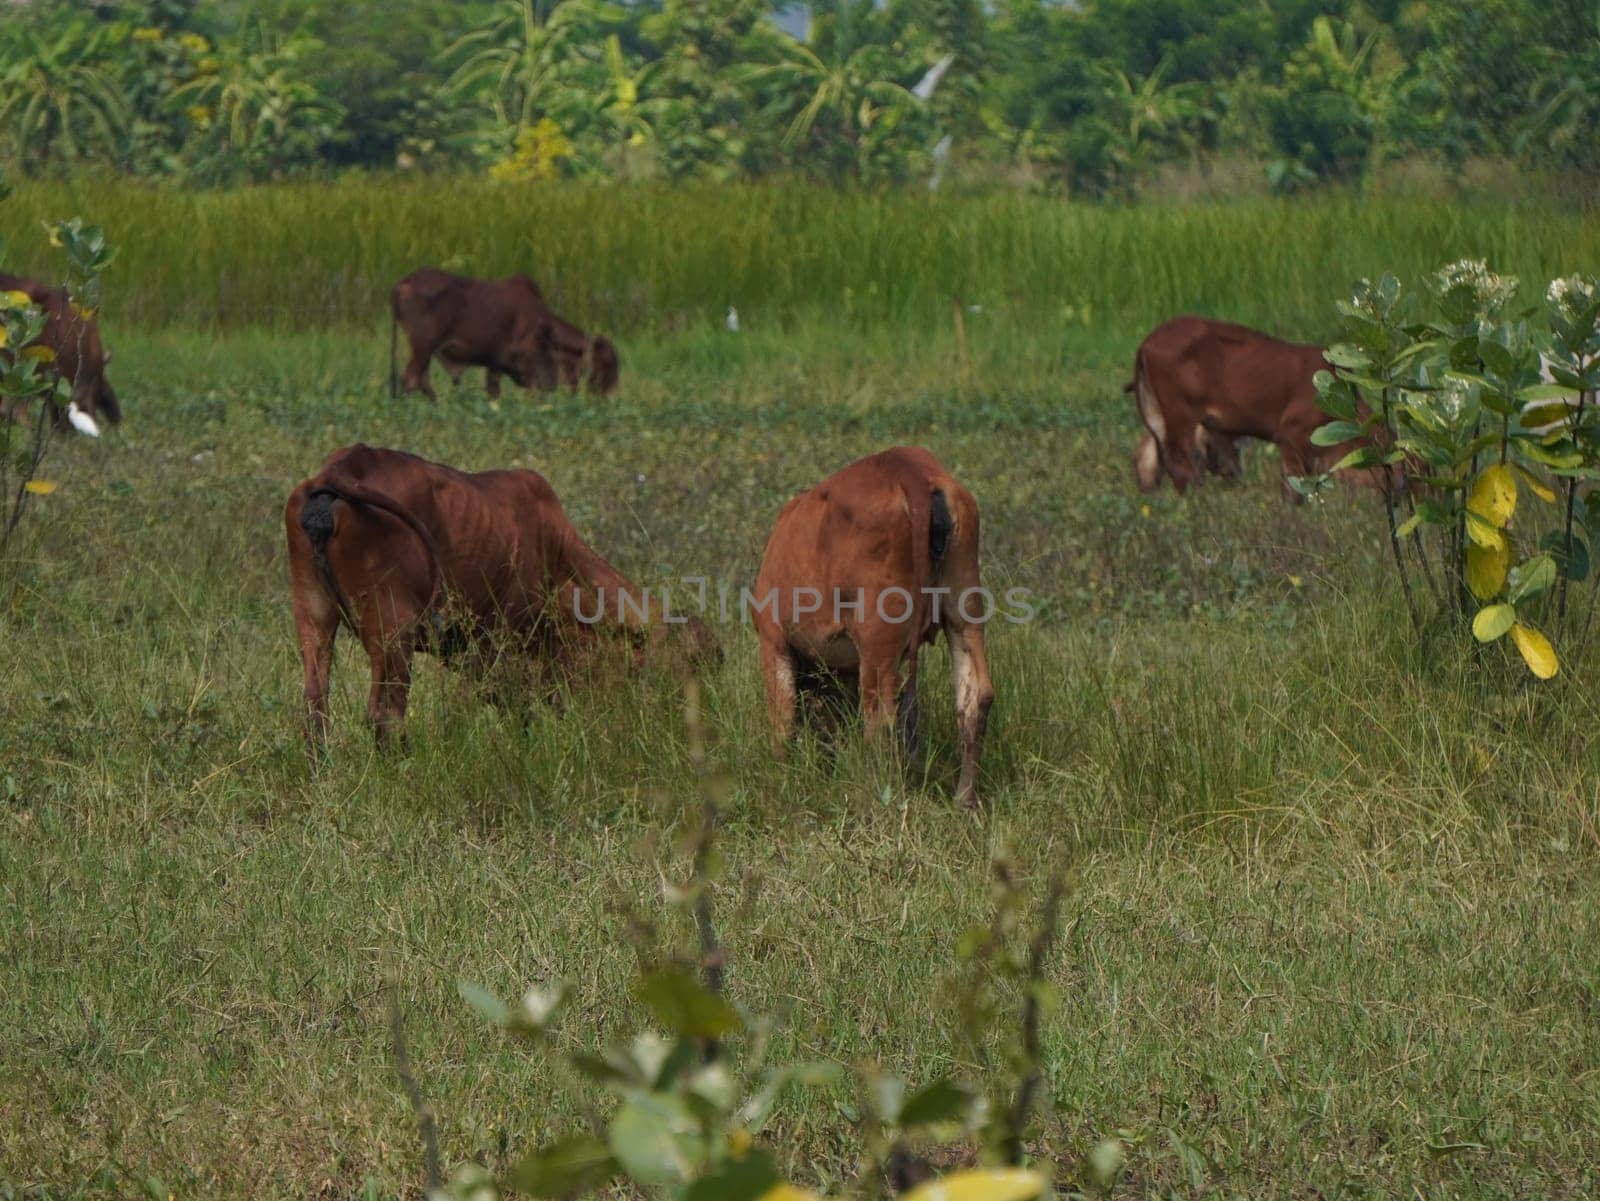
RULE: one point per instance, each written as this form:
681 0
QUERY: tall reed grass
647 259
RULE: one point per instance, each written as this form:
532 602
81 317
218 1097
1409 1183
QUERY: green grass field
1332 927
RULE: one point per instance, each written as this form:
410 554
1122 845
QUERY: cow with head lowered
1202 385
504 326
78 355
482 569
859 573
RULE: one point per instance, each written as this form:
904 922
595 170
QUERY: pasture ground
1332 929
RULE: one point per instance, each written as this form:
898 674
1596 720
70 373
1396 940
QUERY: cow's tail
318 520
933 527
1149 457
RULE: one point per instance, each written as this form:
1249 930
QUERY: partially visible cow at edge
504 326
80 355
1201 385
482 569
859 572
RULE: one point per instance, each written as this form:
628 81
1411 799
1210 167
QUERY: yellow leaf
788 1192
19 299
1483 533
1487 568
39 354
1547 414
4 337
982 1184
1536 650
1535 487
1493 621
40 487
1494 495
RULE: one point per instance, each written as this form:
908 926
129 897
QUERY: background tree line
1091 99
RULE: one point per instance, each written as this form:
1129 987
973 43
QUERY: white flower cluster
1493 291
1442 405
1574 294
1452 397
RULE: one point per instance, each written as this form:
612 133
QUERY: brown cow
859 572
1201 385
413 555
80 355
504 326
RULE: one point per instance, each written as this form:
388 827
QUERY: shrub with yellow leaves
1467 409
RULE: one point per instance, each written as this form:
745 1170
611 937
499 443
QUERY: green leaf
656 1139
485 1002
1535 393
686 1007
1361 456
1495 357
1532 578
1574 566
1343 354
1561 460
736 1179
1335 432
579 1163
942 1101
1493 622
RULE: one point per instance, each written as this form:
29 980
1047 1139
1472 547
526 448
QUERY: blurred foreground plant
1470 404
693 1092
30 388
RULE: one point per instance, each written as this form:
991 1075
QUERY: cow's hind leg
1147 463
316 622
880 688
415 376
969 671
778 671
391 687
909 717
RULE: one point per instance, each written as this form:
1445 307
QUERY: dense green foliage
1090 98
664 259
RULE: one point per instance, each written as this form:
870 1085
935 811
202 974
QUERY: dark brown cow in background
504 326
80 355
860 572
1201 385
413 555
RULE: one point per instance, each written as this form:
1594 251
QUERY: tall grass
643 259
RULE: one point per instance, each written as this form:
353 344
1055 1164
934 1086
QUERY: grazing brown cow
80 355
1201 385
413 555
859 572
504 326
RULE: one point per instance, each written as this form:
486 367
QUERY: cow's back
1233 378
855 528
